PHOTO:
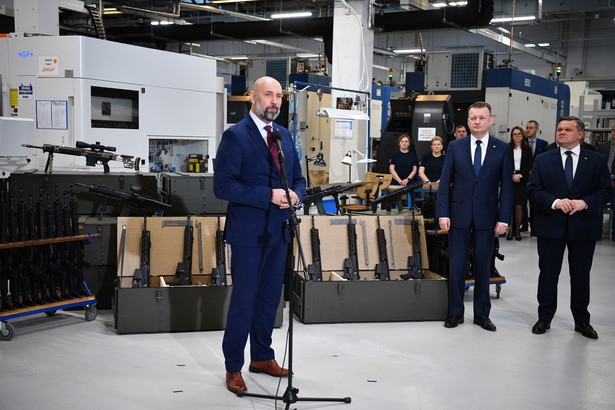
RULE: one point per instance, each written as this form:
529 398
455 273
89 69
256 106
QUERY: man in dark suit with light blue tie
247 175
570 185
531 132
474 203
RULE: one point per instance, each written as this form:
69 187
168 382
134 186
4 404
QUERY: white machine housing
75 89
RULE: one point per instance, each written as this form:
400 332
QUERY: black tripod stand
291 394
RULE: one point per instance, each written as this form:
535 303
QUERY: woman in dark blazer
522 164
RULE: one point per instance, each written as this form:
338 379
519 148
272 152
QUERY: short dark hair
580 124
461 126
480 104
535 122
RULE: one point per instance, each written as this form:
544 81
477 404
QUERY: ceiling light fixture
543 44
452 3
512 19
292 15
530 45
409 51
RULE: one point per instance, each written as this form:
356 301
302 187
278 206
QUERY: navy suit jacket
591 183
540 144
245 174
486 199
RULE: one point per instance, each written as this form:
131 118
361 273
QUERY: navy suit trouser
550 258
257 275
482 242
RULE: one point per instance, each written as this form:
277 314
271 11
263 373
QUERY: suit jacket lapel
581 167
490 155
466 153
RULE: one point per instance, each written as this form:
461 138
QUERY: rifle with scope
94 154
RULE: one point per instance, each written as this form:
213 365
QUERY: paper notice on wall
343 129
52 114
426 133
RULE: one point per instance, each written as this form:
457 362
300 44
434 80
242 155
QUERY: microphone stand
291 393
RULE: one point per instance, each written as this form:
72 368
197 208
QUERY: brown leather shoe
269 367
234 382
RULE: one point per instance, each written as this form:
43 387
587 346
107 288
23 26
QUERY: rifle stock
183 273
218 273
315 268
141 278
351 264
382 268
415 263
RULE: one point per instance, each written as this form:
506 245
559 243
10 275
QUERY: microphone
276 136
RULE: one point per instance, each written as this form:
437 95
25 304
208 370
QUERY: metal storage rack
7 330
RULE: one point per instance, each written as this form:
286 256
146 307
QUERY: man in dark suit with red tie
570 185
247 175
475 199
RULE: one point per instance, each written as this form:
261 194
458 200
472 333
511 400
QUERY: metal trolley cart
7 330
442 269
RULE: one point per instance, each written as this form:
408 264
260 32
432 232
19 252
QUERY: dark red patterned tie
272 147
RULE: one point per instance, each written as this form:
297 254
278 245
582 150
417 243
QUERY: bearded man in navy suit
475 200
247 175
570 185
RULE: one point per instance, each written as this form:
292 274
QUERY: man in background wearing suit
569 185
607 148
471 206
531 132
537 145
247 175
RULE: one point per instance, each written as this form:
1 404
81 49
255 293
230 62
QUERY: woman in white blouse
522 164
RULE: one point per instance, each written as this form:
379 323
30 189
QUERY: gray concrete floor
64 362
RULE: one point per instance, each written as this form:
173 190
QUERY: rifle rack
7 330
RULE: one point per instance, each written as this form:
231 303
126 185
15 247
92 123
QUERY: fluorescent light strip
291 15
530 45
453 3
381 67
409 51
510 19
543 44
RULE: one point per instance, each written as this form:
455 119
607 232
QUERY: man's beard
264 114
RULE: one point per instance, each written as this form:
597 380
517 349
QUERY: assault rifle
382 268
315 268
94 154
141 278
183 273
351 264
132 199
415 263
315 195
218 274
395 196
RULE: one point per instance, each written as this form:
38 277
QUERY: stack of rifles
39 273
